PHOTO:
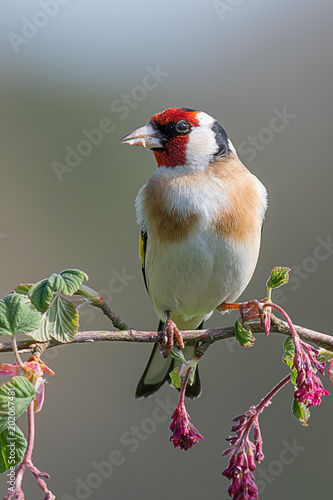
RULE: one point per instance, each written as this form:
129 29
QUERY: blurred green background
66 66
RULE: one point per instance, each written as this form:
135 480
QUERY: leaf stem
17 355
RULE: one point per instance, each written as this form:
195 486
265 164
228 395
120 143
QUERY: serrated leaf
40 295
70 280
13 446
278 277
243 333
16 316
60 322
289 352
15 397
63 320
176 380
42 333
300 412
23 289
66 282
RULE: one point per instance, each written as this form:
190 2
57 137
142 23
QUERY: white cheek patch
205 120
202 144
201 148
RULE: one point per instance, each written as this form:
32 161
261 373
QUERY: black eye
182 127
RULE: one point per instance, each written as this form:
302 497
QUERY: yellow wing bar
142 250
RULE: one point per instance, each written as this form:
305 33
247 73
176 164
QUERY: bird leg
248 310
169 331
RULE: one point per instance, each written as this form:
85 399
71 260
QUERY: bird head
182 137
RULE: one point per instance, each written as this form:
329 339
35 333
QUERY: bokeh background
65 67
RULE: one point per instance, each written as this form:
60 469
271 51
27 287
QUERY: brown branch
210 335
97 300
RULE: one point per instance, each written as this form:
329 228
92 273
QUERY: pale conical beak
147 136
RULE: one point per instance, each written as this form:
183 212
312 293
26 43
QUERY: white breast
191 278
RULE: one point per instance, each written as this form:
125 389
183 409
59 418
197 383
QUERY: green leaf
300 412
13 445
279 276
40 295
61 322
288 357
176 353
42 333
69 281
176 380
66 282
289 352
323 355
23 289
16 316
15 397
293 376
243 333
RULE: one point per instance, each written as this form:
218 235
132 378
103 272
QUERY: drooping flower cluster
309 386
244 453
184 433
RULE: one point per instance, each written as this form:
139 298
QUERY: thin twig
97 300
210 335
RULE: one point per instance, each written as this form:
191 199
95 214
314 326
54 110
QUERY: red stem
27 461
182 392
31 435
30 447
284 314
264 402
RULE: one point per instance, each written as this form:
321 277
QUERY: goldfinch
201 215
